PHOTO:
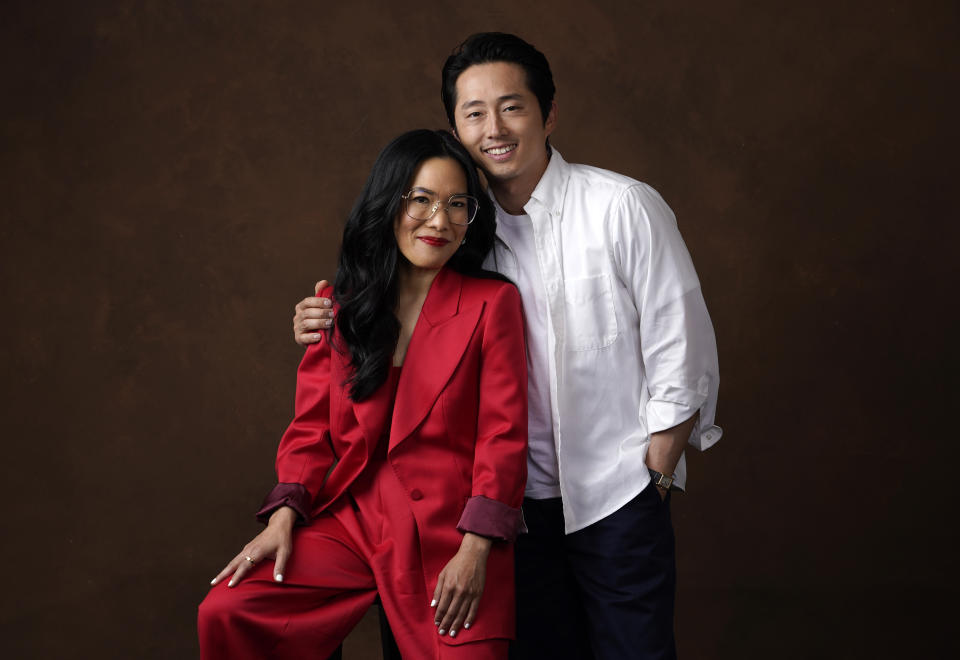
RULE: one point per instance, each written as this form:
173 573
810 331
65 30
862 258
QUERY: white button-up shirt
630 345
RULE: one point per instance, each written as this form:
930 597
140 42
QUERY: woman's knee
220 606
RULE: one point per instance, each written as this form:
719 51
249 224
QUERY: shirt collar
550 189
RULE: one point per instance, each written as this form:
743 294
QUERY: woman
405 463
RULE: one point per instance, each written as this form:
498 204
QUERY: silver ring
250 559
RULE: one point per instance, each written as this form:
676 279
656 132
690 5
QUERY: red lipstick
435 241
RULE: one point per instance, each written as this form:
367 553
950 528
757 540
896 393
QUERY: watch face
661 480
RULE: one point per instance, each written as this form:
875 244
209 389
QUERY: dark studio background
174 178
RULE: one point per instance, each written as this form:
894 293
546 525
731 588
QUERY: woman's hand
460 585
275 541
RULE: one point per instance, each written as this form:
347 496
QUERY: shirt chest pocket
591 316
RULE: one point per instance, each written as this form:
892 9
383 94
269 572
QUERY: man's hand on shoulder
311 315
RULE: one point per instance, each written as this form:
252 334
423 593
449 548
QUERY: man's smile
501 151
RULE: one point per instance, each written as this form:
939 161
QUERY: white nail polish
213 581
433 603
466 626
453 633
442 631
230 583
278 577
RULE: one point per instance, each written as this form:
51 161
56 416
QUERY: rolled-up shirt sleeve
492 519
295 496
678 345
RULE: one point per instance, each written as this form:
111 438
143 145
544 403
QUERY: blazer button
416 495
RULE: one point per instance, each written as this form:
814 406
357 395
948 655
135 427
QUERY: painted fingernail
433 603
213 581
466 626
230 583
278 577
441 631
453 633
326 302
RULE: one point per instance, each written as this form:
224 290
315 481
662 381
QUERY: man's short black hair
486 47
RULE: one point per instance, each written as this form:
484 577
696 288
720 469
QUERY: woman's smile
435 241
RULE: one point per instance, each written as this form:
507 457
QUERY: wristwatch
660 479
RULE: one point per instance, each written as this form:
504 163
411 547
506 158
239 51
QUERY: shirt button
416 495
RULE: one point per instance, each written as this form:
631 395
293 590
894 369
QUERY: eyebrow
505 97
431 192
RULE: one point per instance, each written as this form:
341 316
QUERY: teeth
499 151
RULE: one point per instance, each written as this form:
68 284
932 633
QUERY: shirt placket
551 271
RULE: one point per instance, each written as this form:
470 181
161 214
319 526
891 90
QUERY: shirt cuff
492 519
295 496
663 415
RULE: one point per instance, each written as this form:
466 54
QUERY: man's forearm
667 446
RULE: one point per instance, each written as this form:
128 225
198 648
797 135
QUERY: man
621 358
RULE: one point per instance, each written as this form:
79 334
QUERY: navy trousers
603 592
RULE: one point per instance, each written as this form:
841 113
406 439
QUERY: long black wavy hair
366 284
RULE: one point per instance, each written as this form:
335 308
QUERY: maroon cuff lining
491 518
295 496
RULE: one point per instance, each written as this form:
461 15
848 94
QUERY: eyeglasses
421 205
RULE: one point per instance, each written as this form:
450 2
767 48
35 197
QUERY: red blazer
461 403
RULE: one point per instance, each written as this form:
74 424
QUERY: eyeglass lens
460 208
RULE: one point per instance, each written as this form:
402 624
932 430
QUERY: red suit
387 512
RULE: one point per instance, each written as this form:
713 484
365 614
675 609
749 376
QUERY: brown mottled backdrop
173 178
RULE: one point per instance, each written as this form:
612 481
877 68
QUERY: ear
551 121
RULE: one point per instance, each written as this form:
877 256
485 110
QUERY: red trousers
338 565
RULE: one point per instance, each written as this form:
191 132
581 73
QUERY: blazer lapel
371 414
439 340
